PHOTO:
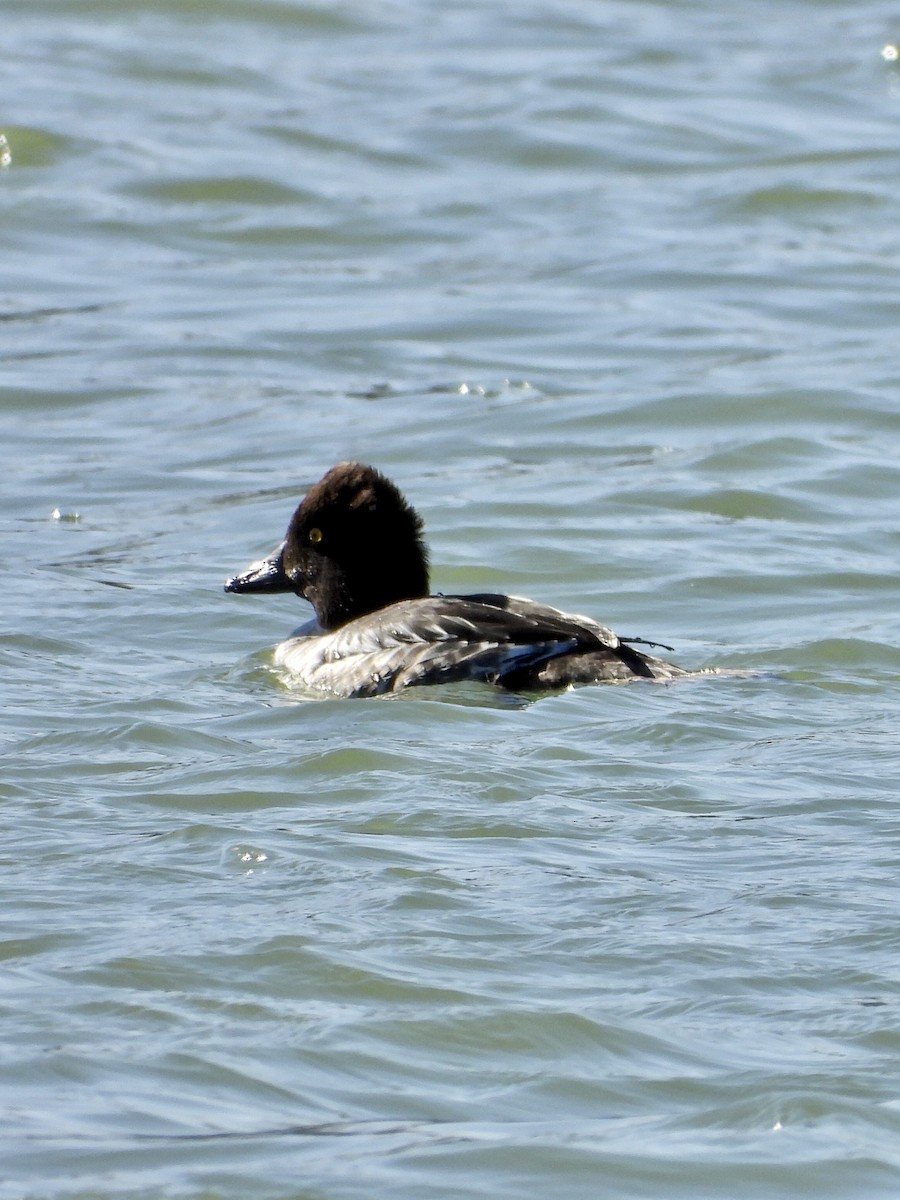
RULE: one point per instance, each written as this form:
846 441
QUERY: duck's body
441 639
354 550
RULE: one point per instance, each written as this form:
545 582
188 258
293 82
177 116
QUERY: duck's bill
267 575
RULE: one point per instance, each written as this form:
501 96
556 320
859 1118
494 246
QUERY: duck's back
513 642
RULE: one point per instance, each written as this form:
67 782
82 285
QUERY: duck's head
353 546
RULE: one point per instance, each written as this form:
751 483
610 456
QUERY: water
611 291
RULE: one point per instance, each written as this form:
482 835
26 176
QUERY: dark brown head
353 546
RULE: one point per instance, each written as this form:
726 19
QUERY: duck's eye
315 535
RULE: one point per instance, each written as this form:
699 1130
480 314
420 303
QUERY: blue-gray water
612 290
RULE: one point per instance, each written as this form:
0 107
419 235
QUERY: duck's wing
438 639
600 654
544 616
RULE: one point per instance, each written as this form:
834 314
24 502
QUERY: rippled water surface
612 291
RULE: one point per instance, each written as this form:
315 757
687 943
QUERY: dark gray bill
267 575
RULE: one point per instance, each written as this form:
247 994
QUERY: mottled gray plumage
354 550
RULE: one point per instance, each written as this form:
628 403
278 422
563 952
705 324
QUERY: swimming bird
354 549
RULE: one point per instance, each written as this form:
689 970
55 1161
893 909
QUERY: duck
355 550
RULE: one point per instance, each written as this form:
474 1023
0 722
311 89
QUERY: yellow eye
315 535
